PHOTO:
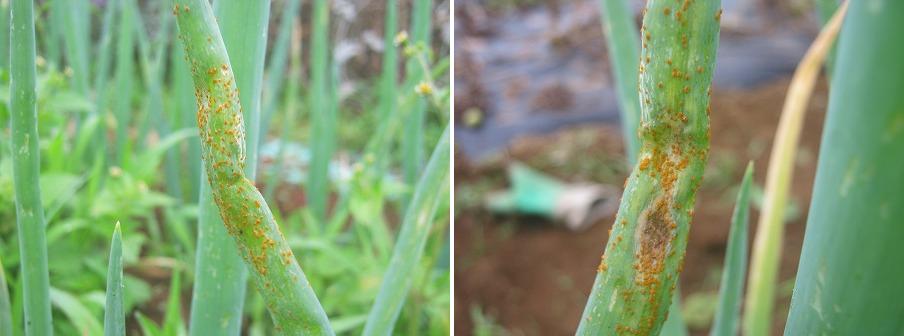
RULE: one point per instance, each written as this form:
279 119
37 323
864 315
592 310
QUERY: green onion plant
638 272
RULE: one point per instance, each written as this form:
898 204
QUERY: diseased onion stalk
218 293
276 273
645 252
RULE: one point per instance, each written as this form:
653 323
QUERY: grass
413 144
321 112
388 85
125 68
275 74
731 290
409 246
674 93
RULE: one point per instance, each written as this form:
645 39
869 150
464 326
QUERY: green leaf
730 290
60 188
624 47
151 158
114 315
409 248
764 263
148 327
172 319
26 170
348 323
323 112
674 324
849 277
6 317
82 318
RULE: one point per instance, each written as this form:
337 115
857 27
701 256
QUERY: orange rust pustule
602 266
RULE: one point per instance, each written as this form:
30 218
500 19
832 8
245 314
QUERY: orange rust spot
719 15
602 266
644 163
287 257
667 11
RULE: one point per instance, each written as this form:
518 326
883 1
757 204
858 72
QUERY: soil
533 278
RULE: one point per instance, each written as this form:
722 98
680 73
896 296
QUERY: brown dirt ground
534 279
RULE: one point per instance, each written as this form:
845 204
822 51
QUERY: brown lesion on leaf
653 236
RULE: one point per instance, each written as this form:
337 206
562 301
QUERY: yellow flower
401 38
424 89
